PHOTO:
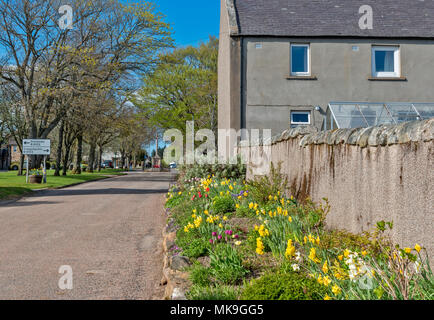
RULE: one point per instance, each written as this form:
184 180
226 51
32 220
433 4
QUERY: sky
192 20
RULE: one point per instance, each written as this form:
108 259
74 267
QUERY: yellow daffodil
326 281
290 250
259 246
417 248
336 290
325 268
312 256
327 298
407 250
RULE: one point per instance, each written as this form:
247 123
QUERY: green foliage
262 187
226 264
220 171
183 87
196 248
223 204
212 293
200 275
284 286
174 202
343 240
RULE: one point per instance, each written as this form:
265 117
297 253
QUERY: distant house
9 155
289 63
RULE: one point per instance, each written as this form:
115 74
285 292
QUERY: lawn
12 186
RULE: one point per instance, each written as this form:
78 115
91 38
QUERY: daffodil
259 246
290 250
336 290
325 268
326 281
417 248
312 256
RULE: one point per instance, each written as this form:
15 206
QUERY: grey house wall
229 73
342 75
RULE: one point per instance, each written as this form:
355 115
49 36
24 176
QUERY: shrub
196 248
212 293
343 240
220 171
223 204
284 286
261 188
226 264
200 275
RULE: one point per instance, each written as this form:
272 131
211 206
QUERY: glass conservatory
346 115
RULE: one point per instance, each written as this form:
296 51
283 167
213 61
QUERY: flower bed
244 237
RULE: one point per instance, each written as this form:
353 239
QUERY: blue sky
192 20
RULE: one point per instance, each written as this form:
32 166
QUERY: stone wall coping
383 135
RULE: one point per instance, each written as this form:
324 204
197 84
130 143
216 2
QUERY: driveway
108 232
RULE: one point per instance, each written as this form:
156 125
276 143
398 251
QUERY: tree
182 88
49 67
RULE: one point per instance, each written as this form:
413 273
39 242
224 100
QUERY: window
386 62
300 118
15 148
300 60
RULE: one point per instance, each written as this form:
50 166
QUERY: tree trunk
65 159
99 158
59 149
20 169
79 154
92 157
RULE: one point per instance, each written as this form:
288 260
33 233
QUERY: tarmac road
109 232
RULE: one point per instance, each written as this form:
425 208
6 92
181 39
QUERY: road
108 232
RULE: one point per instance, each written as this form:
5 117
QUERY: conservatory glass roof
362 114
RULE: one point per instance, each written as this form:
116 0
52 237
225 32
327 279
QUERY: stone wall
368 175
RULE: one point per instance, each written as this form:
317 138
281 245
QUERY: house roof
336 18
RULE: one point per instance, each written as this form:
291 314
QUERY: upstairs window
300 60
386 62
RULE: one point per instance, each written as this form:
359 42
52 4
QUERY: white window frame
301 123
397 62
307 45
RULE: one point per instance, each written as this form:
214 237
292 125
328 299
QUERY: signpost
37 147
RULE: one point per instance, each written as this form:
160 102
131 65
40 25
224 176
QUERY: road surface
108 232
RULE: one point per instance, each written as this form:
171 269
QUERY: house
285 63
9 155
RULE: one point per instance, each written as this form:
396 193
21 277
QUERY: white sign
32 147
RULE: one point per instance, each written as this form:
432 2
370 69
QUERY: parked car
172 165
107 164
